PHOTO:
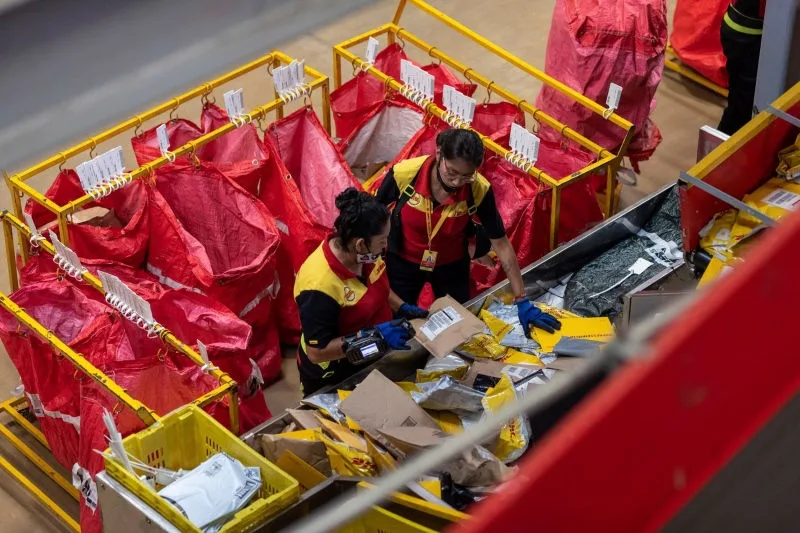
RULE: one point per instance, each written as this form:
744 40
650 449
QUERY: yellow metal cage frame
12 407
673 62
19 188
11 222
608 161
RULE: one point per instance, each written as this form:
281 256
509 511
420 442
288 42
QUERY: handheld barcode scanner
368 345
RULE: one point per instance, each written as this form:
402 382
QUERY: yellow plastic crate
184 439
380 520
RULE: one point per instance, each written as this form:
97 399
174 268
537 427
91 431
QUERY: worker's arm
492 223
395 301
319 320
508 259
388 192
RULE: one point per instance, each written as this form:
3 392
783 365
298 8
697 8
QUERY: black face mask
447 188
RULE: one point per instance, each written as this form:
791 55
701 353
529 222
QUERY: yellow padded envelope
595 329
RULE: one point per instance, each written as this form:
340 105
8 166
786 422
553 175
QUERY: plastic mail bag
213 492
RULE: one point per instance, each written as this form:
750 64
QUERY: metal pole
779 61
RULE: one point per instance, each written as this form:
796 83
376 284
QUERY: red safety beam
634 452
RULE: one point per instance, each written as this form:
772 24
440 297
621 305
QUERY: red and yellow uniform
334 302
427 226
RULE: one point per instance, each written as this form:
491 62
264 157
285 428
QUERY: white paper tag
426 84
447 97
372 50
114 286
230 105
203 351
614 96
405 71
85 173
31 225
532 147
458 104
440 321
517 138
524 142
294 80
163 138
782 199
640 266
70 257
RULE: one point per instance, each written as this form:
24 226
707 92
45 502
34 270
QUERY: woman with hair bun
346 305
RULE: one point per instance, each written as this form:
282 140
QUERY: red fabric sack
313 161
127 244
595 43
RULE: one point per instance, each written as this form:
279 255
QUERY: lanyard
442 219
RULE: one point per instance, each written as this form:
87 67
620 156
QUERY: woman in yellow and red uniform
344 298
434 200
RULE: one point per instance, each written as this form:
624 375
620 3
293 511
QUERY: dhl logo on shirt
419 203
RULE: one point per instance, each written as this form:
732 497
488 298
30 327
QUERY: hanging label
458 103
416 78
297 73
126 296
614 96
67 255
372 50
289 77
447 97
405 71
782 199
31 225
163 138
101 169
87 174
203 351
234 103
532 147
440 321
524 143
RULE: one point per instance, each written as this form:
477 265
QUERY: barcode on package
440 321
783 199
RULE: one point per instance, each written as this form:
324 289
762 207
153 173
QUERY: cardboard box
304 418
378 404
312 452
448 325
96 216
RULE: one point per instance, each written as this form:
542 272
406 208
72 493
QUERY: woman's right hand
396 333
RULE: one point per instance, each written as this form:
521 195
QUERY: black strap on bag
474 229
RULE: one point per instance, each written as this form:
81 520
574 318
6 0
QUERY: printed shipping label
440 321
783 200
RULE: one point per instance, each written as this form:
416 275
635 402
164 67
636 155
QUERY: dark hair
361 216
461 144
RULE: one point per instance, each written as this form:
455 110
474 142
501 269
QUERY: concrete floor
517 25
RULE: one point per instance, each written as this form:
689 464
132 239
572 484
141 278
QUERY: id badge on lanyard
428 262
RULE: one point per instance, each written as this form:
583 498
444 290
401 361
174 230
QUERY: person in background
741 31
343 294
434 199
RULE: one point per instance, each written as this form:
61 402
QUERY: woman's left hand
411 312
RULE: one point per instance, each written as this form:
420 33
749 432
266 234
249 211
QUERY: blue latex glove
532 317
411 311
395 334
